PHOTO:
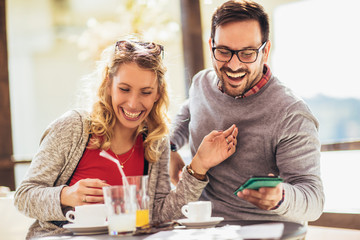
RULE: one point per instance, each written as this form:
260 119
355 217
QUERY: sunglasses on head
157 49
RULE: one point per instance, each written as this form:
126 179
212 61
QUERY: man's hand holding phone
265 192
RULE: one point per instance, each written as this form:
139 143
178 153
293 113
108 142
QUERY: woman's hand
85 191
215 148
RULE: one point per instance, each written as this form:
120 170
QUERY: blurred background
53 44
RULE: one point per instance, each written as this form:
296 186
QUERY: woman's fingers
229 134
90 199
229 131
92 192
85 191
93 182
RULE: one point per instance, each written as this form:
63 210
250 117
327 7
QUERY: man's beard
226 87
249 82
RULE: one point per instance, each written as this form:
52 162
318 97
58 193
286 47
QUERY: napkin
260 231
229 232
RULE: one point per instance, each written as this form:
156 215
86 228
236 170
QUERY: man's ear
210 44
267 51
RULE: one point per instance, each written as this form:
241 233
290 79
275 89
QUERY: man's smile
235 75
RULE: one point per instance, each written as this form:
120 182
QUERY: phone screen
256 182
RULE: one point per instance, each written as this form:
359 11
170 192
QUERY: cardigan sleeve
38 195
167 203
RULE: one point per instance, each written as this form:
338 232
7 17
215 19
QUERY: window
315 53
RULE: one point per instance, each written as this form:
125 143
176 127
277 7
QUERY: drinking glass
142 197
121 206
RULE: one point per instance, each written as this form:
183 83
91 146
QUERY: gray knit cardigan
60 151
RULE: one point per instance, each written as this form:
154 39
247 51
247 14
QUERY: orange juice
142 217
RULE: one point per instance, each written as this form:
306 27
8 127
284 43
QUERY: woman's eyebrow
128 85
147 88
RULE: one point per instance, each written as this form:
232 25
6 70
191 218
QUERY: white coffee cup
88 215
199 211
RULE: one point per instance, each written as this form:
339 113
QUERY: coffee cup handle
185 210
70 216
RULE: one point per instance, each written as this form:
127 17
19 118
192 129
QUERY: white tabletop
291 231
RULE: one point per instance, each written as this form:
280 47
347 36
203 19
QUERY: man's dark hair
233 11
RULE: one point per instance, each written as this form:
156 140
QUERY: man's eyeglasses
155 48
223 54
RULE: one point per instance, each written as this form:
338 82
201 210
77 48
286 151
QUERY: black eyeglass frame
148 45
236 52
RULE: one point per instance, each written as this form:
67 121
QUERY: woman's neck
123 139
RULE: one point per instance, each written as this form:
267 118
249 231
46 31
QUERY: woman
129 122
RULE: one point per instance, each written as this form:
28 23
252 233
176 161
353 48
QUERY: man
277 133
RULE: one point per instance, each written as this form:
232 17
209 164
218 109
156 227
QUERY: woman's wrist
198 176
197 166
62 196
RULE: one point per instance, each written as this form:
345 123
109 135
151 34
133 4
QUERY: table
292 231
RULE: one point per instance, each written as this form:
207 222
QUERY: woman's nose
132 100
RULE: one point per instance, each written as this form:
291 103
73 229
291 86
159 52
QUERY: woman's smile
131 116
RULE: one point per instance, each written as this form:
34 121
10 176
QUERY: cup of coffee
88 215
199 211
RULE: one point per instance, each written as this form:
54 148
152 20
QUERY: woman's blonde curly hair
149 57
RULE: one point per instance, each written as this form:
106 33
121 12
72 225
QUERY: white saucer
203 224
77 229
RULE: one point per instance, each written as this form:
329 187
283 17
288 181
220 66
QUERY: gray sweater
61 149
277 134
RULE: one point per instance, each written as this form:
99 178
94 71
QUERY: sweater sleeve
168 203
38 196
180 126
298 160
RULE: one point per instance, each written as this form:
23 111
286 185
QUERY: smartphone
256 182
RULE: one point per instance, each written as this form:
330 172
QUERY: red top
92 165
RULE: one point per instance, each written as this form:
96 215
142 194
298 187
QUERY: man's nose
234 64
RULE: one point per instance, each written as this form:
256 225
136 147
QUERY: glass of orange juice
142 212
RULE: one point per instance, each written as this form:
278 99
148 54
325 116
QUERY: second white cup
198 211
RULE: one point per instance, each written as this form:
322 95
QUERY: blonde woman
128 121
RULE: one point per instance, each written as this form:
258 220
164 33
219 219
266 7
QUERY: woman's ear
157 97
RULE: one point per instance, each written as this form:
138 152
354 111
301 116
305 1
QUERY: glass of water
121 206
